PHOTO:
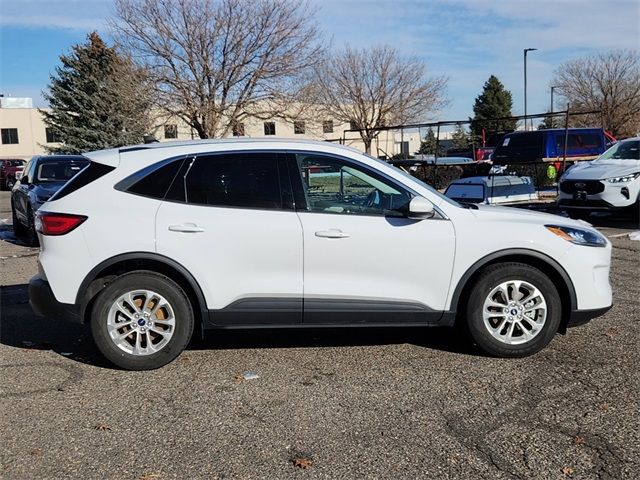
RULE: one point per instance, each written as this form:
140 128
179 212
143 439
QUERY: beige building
24 133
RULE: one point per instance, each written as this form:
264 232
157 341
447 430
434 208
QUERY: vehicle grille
589 186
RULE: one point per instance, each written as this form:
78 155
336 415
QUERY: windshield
58 171
625 150
14 163
417 180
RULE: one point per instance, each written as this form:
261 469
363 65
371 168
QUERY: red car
10 171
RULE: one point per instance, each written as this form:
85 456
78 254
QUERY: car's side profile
610 182
149 242
41 178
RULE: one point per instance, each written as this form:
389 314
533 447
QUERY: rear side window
91 172
249 180
156 183
583 141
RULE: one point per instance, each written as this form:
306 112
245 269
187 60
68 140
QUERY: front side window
9 136
249 180
335 185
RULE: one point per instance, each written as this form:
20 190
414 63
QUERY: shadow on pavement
21 328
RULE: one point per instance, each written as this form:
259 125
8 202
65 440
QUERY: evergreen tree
460 138
494 102
548 122
429 145
97 99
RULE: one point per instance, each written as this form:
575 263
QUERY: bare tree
608 82
374 87
216 62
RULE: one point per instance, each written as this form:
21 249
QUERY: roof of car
223 141
59 157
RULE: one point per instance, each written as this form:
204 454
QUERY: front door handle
186 228
333 233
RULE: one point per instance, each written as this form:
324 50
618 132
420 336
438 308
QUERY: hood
601 169
520 215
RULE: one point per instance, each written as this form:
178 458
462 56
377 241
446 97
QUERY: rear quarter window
90 173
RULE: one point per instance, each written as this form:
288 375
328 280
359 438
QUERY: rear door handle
186 228
333 233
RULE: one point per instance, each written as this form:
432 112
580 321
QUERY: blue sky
466 40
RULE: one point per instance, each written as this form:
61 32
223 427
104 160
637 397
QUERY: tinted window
249 180
585 141
156 183
520 147
85 177
337 186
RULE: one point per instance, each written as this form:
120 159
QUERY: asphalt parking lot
404 403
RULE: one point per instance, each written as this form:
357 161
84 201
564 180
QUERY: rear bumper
44 303
580 317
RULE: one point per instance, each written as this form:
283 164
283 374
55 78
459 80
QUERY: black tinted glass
92 172
58 171
156 183
249 180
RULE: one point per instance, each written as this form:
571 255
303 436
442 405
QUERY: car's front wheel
514 310
142 321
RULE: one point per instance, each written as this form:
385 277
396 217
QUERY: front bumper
44 303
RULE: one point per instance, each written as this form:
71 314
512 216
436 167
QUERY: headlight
578 236
626 178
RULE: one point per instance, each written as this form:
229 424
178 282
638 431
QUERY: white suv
610 182
149 242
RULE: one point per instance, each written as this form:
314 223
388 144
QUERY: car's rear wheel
142 321
514 310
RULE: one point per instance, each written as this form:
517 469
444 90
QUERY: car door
20 193
229 219
364 260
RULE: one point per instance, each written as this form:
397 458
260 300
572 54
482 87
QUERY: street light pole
552 88
525 85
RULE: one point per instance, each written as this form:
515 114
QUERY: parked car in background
10 170
254 233
529 147
41 178
611 182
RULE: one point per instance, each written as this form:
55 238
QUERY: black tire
18 229
490 278
184 320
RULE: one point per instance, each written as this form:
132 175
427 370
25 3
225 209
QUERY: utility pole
526 50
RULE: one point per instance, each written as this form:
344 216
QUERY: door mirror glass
420 208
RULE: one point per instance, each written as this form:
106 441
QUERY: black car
42 177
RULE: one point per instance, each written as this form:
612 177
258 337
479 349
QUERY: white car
151 242
610 182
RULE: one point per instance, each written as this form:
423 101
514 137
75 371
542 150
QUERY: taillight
57 223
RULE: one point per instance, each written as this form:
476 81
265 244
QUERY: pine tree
97 99
429 145
460 138
494 102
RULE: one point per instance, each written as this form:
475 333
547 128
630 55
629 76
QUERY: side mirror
420 208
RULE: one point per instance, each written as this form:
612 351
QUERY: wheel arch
549 266
103 273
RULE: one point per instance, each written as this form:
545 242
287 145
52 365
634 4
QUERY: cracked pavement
374 403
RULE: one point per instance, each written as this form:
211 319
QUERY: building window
238 129
9 136
327 126
353 125
52 136
170 131
298 128
269 128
